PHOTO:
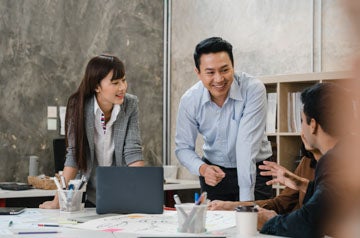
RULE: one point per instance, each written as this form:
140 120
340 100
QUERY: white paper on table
156 223
27 219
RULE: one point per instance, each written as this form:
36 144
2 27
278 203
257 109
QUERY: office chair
59 148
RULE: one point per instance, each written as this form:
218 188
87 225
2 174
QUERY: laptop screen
127 190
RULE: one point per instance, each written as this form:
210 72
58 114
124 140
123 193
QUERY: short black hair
331 107
212 45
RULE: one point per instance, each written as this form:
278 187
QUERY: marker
56 181
178 202
63 183
35 232
196 197
71 186
177 199
70 193
49 225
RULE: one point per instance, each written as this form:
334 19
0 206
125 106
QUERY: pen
83 181
49 225
10 223
63 183
178 202
35 232
201 199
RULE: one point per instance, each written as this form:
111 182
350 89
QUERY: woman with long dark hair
101 124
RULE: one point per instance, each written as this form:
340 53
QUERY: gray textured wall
269 37
44 47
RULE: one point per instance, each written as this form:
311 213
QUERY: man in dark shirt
326 126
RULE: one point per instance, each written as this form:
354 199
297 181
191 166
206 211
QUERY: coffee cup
246 220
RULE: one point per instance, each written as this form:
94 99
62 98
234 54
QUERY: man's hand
227 205
283 176
263 216
212 174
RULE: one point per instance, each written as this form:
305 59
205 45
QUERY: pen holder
191 217
70 200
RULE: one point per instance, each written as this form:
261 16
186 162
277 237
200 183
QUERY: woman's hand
283 176
222 205
68 173
227 205
54 204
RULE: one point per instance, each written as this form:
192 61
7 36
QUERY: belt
209 163
221 167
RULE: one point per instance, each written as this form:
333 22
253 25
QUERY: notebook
127 190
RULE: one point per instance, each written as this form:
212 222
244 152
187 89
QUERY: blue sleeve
185 138
250 137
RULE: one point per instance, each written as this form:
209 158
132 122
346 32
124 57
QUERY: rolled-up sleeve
185 138
70 150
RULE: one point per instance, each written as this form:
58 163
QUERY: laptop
127 190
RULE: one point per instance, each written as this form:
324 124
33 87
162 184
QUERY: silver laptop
127 190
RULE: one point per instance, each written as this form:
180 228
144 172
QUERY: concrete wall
269 37
44 47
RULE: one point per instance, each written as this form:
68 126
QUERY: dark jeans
228 188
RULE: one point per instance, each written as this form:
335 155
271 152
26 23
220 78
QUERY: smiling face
217 74
110 92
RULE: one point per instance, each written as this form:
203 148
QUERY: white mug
246 221
33 165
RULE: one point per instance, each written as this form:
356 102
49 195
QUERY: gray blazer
126 136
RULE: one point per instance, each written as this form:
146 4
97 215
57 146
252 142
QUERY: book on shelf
271 113
294 111
298 109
